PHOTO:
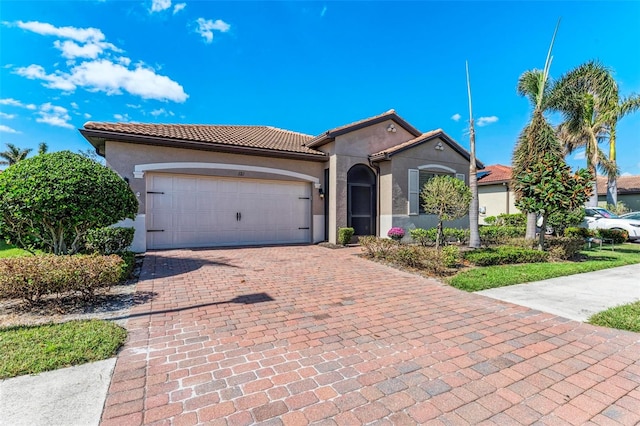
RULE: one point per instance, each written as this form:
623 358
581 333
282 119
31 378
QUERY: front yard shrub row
516 219
492 235
563 248
617 236
433 261
30 278
505 255
427 237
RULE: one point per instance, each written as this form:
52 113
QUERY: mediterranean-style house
225 185
495 195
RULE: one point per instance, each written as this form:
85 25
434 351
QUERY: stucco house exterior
628 191
495 194
224 185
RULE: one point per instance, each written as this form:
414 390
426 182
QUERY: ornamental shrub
379 248
396 233
420 236
108 240
31 277
576 232
51 201
505 255
618 236
344 235
564 248
499 234
450 256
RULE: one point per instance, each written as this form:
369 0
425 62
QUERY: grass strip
34 349
7 250
623 317
477 279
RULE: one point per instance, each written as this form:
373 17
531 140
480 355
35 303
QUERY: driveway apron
305 334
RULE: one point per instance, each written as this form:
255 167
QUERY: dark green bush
128 263
573 231
618 236
564 248
515 219
108 240
562 219
428 236
32 277
499 234
344 235
422 236
505 255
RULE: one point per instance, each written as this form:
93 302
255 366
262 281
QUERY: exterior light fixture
439 147
391 128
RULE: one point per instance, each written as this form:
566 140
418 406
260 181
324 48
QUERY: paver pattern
305 334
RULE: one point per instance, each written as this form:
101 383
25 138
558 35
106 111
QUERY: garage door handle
155 230
304 228
155 192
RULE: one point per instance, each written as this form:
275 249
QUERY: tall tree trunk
592 163
543 229
531 226
474 233
612 184
439 236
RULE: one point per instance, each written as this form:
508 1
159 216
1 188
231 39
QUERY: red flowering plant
396 233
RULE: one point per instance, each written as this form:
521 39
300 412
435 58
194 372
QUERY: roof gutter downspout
377 169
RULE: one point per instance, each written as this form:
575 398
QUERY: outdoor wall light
321 192
391 128
439 147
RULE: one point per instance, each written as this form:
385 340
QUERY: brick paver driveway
298 335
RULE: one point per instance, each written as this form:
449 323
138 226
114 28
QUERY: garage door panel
203 211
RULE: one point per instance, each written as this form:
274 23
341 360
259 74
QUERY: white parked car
600 218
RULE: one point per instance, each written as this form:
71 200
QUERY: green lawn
477 279
32 350
7 250
624 317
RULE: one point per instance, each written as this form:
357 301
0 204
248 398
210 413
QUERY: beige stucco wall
123 157
416 158
632 201
496 199
347 151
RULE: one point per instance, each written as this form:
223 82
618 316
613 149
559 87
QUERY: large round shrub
52 200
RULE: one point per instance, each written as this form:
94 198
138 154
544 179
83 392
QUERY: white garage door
201 211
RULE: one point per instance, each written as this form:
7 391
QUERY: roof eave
103 135
329 136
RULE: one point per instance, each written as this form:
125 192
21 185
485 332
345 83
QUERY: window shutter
414 192
460 176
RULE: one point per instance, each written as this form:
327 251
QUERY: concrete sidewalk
66 397
576 297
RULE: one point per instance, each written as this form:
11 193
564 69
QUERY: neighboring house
495 195
628 191
220 185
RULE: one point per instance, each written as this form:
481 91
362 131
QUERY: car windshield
606 213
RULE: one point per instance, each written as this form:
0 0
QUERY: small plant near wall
344 235
396 233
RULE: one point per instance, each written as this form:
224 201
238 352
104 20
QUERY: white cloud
122 117
105 76
7 116
580 155
87 115
323 12
160 5
54 116
134 106
484 121
626 174
161 111
456 117
178 7
74 105
7 129
71 49
83 35
207 26
13 102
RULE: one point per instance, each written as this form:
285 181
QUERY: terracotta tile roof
625 184
262 137
496 173
337 131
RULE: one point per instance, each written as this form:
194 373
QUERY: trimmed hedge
576 232
564 248
500 234
427 237
31 277
344 235
109 240
618 236
505 255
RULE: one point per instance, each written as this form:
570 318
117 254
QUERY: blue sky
302 66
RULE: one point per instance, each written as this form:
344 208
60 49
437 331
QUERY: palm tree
13 154
617 110
538 137
43 148
474 232
584 95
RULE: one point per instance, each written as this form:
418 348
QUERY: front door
361 200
